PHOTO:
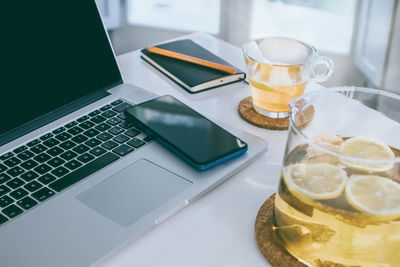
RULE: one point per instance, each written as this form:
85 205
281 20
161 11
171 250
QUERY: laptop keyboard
43 167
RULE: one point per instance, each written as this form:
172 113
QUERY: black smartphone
192 137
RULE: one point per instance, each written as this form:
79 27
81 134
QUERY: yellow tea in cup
278 70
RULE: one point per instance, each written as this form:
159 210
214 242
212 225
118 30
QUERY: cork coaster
249 114
267 240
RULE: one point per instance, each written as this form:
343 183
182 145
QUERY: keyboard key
81 149
148 138
4 178
93 142
103 127
71 124
60 171
26 203
15 171
12 211
136 143
5 201
55 151
19 193
29 164
59 130
109 145
79 139
109 114
122 150
67 145
116 130
55 162
106 107
20 149
46 136
91 133
120 108
83 172
121 138
4 190
97 151
42 169
86 125
33 186
3 219
104 136
75 130
25 155
94 113
116 102
73 164
2 168
98 119
11 162
33 143
29 176
38 149
43 194
63 136
82 119
15 183
114 121
47 178
85 158
127 124
51 142
132 132
6 156
122 116
42 158
68 155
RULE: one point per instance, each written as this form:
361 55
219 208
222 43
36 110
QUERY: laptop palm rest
133 192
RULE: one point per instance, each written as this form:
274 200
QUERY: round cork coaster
267 240
249 114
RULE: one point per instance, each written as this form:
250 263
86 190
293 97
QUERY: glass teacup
338 201
278 70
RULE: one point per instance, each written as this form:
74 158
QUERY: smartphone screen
185 131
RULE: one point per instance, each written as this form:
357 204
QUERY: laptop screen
53 52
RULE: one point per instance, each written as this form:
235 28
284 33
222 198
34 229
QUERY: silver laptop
77 180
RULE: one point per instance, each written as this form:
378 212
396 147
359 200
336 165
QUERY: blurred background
361 36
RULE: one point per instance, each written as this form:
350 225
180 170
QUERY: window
181 15
327 24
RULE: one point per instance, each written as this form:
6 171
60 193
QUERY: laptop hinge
52 116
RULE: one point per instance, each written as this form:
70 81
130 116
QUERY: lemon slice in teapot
365 148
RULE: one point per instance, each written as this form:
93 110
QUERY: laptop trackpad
133 192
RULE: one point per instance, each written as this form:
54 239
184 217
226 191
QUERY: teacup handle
324 76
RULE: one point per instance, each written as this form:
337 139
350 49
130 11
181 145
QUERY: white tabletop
218 229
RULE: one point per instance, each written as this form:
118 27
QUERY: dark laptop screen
53 52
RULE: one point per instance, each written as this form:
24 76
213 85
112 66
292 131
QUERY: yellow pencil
191 59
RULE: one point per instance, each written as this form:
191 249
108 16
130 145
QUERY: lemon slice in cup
316 181
365 148
374 195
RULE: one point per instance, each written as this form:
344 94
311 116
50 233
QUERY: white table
218 229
